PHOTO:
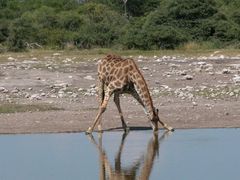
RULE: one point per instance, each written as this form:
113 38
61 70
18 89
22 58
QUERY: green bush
149 24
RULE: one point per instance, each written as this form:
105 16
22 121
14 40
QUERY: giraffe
120 76
140 169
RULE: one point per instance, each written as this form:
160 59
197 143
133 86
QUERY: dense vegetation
138 24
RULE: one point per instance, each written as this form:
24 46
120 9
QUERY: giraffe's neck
145 95
147 101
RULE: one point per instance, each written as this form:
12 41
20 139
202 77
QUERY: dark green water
198 154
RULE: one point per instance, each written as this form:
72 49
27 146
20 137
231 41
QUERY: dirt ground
191 91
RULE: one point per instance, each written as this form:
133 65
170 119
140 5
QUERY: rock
156 91
236 79
183 73
188 77
145 68
235 66
80 89
174 66
43 94
209 69
53 96
226 113
38 78
226 71
194 103
35 97
197 70
74 95
27 95
60 85
2 89
189 88
56 54
89 78
11 58
201 63
15 90
93 86
237 91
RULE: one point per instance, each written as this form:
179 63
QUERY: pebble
89 78
35 97
236 79
2 89
15 90
188 77
93 86
183 73
145 68
194 103
226 71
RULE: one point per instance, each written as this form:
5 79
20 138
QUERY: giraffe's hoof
100 130
171 129
126 129
89 131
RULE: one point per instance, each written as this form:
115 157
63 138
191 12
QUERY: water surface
185 154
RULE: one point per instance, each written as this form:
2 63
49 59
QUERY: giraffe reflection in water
139 169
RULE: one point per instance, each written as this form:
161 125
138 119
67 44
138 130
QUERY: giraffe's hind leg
117 102
101 94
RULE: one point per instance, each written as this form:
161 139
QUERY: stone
27 95
60 85
35 97
188 77
43 94
93 86
2 89
11 58
183 73
15 90
89 78
226 71
236 79
145 68
80 89
194 103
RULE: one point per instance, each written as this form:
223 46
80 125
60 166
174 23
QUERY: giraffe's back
118 73
114 70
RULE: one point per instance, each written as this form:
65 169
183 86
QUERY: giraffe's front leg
102 108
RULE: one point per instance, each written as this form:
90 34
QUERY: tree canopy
146 24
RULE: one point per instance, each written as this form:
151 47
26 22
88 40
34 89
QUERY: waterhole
185 154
